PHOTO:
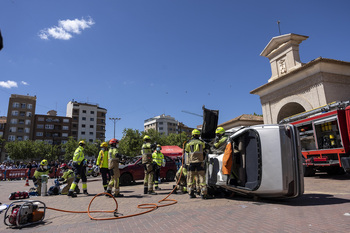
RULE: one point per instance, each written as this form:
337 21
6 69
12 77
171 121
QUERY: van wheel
126 179
170 175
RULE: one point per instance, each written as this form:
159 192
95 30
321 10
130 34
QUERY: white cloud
66 28
24 83
8 84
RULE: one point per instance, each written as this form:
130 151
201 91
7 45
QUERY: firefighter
220 141
113 166
41 170
102 162
79 168
147 162
181 184
67 178
158 162
196 164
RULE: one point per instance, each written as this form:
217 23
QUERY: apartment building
88 121
162 124
2 126
51 128
20 117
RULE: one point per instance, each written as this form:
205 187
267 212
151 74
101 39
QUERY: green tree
131 142
69 148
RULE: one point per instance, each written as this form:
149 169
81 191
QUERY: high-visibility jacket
220 142
113 158
146 153
39 172
67 174
102 159
158 157
195 150
79 155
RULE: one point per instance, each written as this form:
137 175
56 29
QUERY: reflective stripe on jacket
146 153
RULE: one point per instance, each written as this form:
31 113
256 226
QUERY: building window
26 138
92 112
49 141
64 135
160 128
14 113
48 120
84 111
91 133
65 127
49 126
91 126
22 113
23 105
20 138
75 125
13 121
92 119
12 129
66 120
20 130
39 134
102 127
40 126
12 138
29 114
102 121
15 105
83 126
29 106
27 130
28 122
40 118
64 141
90 140
75 111
82 132
83 118
21 122
160 123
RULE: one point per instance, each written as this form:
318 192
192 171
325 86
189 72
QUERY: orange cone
27 182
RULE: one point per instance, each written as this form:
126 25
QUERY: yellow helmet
146 137
44 162
331 136
104 144
82 142
196 132
220 130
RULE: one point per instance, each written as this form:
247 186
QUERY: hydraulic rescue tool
24 213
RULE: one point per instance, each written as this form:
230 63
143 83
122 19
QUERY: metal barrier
15 173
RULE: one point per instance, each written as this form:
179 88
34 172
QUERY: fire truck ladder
324 108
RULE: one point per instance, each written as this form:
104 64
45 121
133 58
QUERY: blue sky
142 58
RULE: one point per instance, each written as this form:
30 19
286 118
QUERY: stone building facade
295 87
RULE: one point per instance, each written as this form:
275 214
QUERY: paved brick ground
320 209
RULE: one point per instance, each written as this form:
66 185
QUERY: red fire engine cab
324 134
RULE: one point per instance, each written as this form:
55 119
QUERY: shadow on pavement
308 200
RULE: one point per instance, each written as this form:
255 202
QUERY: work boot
151 192
175 189
86 193
192 195
157 188
118 195
71 194
145 190
109 192
206 196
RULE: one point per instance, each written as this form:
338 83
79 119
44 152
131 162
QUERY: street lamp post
114 119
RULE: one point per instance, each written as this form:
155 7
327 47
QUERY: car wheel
126 179
170 175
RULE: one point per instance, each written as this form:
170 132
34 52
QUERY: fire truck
324 134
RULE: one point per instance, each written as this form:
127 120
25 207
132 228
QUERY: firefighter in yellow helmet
158 162
196 164
102 162
41 170
220 141
147 162
113 165
79 167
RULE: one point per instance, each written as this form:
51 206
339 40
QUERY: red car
130 173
